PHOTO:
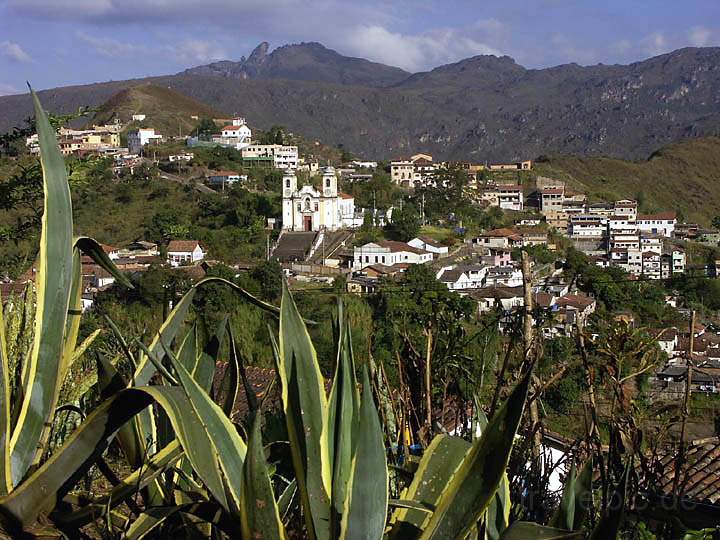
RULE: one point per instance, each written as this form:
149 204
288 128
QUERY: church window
307 204
287 183
327 182
299 207
316 207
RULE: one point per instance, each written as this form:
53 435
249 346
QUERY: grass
683 177
168 111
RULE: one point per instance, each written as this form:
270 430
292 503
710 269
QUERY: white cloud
413 52
699 36
195 51
14 52
656 43
111 48
188 52
6 90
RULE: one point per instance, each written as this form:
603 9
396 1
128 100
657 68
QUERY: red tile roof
182 245
660 216
575 300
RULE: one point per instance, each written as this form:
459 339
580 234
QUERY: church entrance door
307 223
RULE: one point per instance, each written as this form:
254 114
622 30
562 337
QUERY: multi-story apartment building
415 171
551 199
587 226
280 156
141 137
510 197
625 208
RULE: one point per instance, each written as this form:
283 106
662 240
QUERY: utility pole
528 348
686 404
267 246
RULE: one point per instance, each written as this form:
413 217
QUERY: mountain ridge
480 108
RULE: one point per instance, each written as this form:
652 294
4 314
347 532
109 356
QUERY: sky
61 42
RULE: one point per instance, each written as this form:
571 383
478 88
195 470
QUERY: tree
716 222
275 135
405 224
269 275
206 127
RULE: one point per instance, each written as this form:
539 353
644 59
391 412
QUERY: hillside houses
414 171
430 245
139 138
181 252
389 253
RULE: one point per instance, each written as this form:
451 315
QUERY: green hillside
684 177
167 111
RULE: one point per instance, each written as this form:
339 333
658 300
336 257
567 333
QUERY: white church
310 209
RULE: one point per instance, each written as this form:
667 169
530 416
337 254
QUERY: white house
503 275
184 252
282 157
587 226
499 238
236 135
188 156
139 138
625 208
224 179
388 252
460 277
428 244
138 117
508 298
662 223
510 197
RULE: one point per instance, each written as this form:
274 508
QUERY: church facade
311 209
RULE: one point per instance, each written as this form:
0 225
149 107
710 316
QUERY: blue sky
60 42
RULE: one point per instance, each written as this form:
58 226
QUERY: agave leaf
497 516
207 358
79 351
53 282
476 481
367 501
91 248
439 463
121 341
137 480
5 481
72 326
228 449
577 492
154 517
286 498
111 382
229 385
608 527
193 425
343 409
144 423
259 513
305 407
525 530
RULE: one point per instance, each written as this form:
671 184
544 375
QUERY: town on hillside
481 257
